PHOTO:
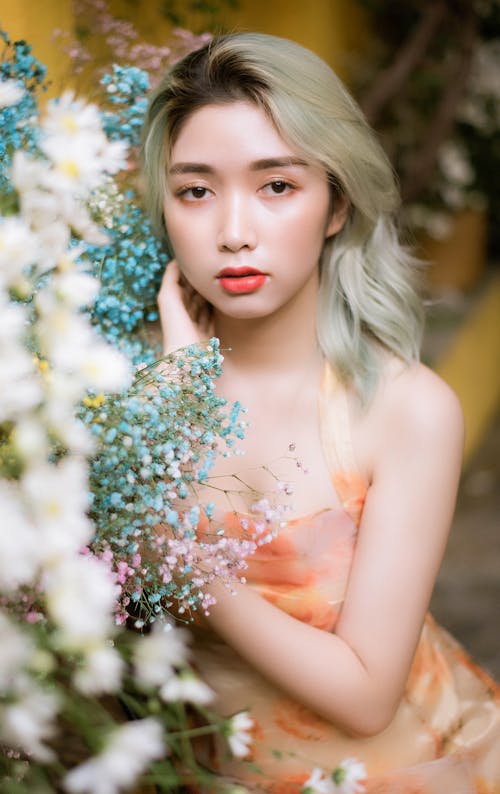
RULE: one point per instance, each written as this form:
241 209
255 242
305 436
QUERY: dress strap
335 428
335 424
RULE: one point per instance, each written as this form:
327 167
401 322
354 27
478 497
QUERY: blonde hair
367 299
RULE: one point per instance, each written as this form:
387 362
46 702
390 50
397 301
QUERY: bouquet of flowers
70 677
103 446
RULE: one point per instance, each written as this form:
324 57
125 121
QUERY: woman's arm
180 326
356 676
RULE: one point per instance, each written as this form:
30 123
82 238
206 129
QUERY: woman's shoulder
416 395
413 410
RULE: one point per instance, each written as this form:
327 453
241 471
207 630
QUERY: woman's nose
237 225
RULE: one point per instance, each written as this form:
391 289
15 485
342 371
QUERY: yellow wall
472 367
332 28
329 27
35 22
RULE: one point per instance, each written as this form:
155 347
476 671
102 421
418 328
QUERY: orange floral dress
445 736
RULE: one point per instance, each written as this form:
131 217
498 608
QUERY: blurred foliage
199 16
429 81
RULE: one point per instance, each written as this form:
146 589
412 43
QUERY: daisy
130 749
188 688
10 93
237 734
156 654
101 671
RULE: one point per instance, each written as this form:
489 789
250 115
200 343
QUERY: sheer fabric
445 736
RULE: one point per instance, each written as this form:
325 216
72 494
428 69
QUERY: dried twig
443 120
411 53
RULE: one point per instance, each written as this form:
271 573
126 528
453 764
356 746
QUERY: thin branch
444 119
413 50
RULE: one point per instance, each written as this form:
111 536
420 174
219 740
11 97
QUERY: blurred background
427 74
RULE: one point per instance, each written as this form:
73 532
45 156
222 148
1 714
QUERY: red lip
241 280
239 272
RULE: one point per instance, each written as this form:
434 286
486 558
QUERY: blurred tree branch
426 52
417 177
413 50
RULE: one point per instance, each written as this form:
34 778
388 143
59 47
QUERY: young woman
278 204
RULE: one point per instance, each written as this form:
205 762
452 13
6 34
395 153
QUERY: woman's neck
284 341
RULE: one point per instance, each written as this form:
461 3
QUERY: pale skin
238 195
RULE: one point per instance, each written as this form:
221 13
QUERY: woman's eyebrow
257 165
277 162
191 168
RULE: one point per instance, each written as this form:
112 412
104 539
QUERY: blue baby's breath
156 443
18 123
164 442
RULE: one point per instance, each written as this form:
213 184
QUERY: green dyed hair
368 300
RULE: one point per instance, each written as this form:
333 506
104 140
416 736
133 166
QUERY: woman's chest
281 459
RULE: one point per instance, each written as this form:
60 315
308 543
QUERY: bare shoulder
412 410
414 402
418 397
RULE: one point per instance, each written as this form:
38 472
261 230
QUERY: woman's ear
339 215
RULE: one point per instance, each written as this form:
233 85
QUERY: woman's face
247 216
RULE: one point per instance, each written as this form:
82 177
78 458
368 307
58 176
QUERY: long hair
367 301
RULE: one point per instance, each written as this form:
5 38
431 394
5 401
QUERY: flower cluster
21 72
121 43
131 263
50 357
62 650
95 543
157 444
347 778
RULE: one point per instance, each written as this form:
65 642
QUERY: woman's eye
194 192
279 186
198 192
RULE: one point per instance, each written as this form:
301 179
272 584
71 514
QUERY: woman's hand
184 314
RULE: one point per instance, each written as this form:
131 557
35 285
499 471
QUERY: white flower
454 163
10 93
85 227
63 395
58 500
19 388
76 163
69 117
350 776
347 778
318 783
101 671
102 368
53 241
30 439
67 262
19 542
13 320
28 173
75 289
62 392
80 597
29 721
130 749
16 652
238 738
439 225
186 687
157 653
79 160
72 346
18 249
73 433
61 329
